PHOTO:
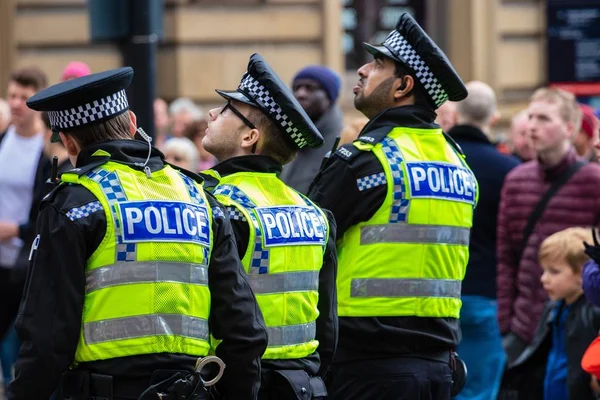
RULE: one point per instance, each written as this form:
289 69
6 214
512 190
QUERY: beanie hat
75 69
329 80
589 122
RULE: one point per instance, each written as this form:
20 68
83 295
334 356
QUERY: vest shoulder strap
375 136
73 175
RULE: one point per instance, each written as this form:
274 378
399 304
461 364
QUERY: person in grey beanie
317 89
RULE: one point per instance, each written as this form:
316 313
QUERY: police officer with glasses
133 269
285 241
403 198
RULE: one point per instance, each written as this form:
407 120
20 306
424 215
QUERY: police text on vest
291 225
151 221
441 181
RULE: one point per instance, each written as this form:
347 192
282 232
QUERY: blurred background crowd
533 73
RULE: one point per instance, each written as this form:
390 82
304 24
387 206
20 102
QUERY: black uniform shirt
335 188
327 326
49 320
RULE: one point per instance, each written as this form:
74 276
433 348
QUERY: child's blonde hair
566 246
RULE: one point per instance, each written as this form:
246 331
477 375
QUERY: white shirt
19 158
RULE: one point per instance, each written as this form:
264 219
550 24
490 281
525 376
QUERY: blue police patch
441 181
164 221
291 225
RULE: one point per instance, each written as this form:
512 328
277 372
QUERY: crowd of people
525 320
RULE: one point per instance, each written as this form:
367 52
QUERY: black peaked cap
410 45
261 87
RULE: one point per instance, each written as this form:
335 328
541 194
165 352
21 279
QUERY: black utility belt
295 384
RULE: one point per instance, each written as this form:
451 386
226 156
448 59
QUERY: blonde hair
569 109
566 245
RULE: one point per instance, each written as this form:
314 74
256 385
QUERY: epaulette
347 152
375 136
49 197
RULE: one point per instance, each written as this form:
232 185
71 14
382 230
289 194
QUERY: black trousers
404 378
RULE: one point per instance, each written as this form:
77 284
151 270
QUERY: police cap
409 45
84 101
262 88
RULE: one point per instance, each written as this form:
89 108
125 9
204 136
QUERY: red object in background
591 359
580 89
503 148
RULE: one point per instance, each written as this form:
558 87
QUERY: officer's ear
70 144
132 123
404 88
250 140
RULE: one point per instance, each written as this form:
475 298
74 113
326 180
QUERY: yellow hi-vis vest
410 258
147 282
288 236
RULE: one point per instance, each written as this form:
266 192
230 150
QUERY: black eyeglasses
238 114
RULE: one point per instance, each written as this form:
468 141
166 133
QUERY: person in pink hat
75 69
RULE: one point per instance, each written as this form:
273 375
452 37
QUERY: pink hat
75 69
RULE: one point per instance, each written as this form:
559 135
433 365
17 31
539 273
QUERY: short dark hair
421 98
276 144
111 129
30 77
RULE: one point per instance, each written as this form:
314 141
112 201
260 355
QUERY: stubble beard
377 101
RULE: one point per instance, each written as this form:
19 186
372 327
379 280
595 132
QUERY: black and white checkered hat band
82 115
398 44
257 91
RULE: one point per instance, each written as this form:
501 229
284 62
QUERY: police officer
403 200
132 268
285 241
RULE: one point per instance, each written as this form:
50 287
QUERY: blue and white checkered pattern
260 255
371 181
81 115
218 213
257 91
113 190
234 194
192 189
399 46
400 205
84 211
235 214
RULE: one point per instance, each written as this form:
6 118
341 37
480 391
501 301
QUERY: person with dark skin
134 268
317 89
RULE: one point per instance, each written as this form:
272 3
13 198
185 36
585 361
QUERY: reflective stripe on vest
390 287
145 325
283 275
289 335
285 282
145 272
405 233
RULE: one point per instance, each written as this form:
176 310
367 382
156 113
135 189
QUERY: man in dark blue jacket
481 346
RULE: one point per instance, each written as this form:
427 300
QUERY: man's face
224 133
311 97
161 115
374 91
547 129
560 281
446 116
16 96
520 140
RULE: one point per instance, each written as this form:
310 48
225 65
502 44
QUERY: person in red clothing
553 120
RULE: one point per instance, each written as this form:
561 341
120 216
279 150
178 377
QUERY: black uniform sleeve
242 235
335 188
235 317
327 322
49 320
